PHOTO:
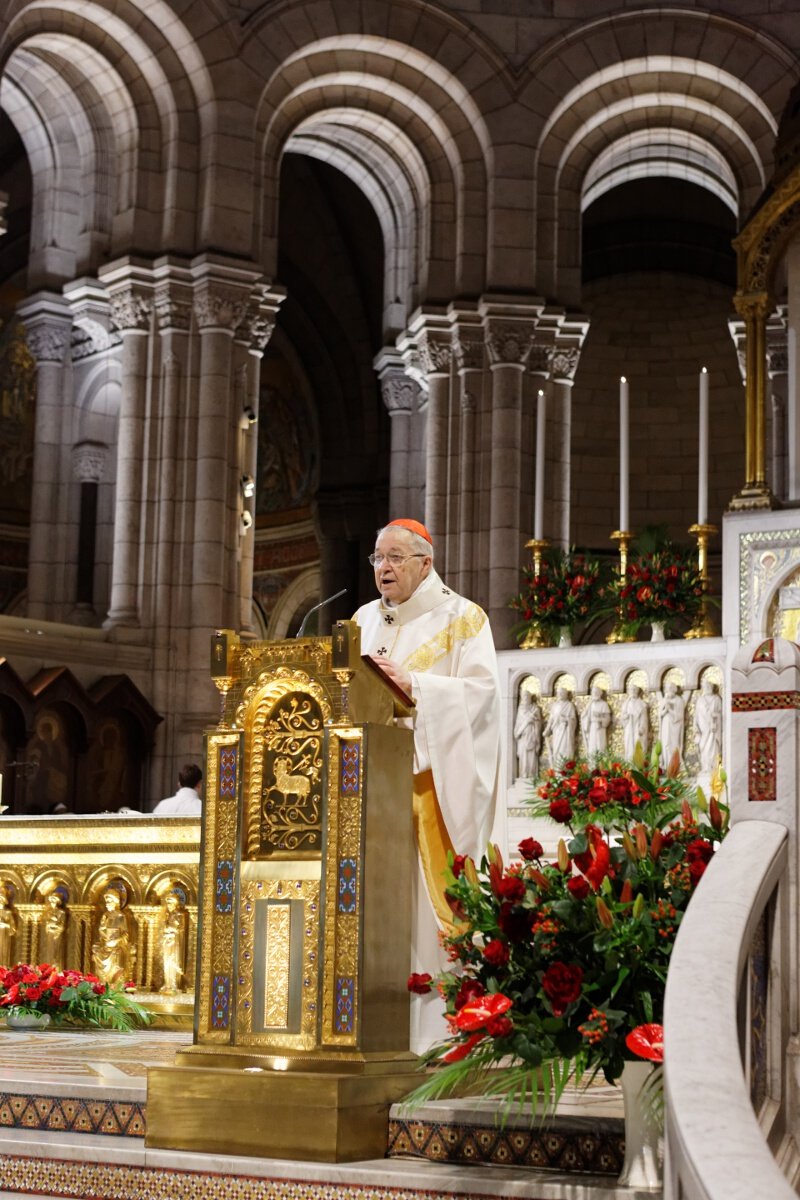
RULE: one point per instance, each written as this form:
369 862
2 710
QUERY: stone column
508 339
252 337
431 334
468 347
48 324
88 466
130 296
221 299
563 363
400 395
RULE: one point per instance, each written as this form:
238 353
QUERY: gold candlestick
703 625
619 633
535 638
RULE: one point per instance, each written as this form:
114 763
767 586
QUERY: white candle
702 452
624 457
538 501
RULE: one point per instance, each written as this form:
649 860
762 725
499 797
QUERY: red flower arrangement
658 585
565 590
559 968
68 998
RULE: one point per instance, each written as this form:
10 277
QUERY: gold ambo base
311 1116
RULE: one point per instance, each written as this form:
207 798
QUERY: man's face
398 583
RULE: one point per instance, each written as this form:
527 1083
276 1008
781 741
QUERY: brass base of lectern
310 1116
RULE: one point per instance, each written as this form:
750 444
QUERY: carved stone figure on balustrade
635 721
112 951
8 927
708 727
595 723
671 719
52 930
528 736
561 728
173 943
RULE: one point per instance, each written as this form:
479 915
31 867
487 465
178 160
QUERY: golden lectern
301 1011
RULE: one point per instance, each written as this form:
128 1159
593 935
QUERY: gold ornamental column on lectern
302 1010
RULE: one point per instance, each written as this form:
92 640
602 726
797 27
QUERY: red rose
458 864
470 990
530 849
578 887
561 985
495 953
561 811
699 851
421 984
511 888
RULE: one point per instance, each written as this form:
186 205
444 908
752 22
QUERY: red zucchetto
414 526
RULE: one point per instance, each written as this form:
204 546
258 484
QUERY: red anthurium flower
647 1041
476 1014
462 1050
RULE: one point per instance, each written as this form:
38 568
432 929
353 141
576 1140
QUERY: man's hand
395 672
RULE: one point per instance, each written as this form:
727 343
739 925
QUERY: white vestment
445 643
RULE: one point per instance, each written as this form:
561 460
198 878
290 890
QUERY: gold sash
433 843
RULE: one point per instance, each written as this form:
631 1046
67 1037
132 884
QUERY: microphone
321 604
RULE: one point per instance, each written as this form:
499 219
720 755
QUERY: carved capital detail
219 307
173 310
130 309
47 342
509 343
89 461
468 352
563 362
435 351
399 393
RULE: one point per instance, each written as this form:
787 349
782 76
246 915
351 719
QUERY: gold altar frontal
302 1010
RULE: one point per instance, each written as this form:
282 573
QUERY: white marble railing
726 1027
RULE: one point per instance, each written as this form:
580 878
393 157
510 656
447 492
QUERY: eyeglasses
393 559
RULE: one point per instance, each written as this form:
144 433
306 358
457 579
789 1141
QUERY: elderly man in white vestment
437 646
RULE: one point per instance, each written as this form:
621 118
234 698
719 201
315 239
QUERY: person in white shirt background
187 800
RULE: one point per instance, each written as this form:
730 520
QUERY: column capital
47 322
222 291
509 325
400 393
468 347
428 341
563 363
89 461
258 323
129 286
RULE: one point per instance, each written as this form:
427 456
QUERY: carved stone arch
362 78
120 80
644 89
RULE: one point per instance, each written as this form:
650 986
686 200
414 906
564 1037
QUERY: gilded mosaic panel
343 865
